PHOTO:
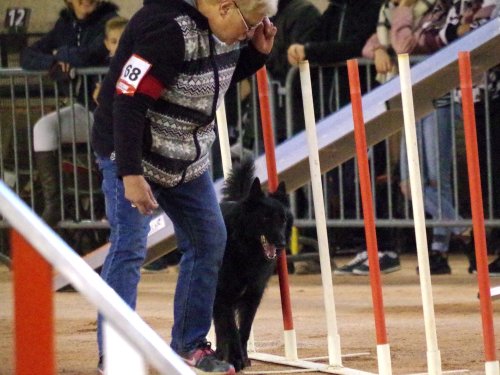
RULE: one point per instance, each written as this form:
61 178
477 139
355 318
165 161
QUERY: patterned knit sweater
168 139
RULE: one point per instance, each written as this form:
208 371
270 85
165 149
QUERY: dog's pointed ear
280 194
255 189
281 188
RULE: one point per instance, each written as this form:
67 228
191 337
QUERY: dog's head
269 219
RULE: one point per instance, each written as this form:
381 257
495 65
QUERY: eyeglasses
249 29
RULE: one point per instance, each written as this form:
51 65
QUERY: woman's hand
139 193
263 37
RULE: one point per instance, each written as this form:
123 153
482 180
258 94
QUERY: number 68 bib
132 74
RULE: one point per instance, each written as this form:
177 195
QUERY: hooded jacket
165 129
77 42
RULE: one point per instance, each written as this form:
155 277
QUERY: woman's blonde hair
265 7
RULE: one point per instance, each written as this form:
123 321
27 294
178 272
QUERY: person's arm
84 55
403 38
151 68
371 45
40 56
332 51
254 55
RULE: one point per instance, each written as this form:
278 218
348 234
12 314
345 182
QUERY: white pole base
492 368
119 356
434 362
290 345
334 352
384 359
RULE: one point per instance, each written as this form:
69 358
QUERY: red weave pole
366 200
476 199
272 176
34 310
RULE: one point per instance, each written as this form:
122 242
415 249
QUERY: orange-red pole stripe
34 310
476 199
366 199
272 176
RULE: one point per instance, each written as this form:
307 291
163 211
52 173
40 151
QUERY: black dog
257 225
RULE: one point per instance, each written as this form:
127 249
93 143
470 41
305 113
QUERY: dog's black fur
258 225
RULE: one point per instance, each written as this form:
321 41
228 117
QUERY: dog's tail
238 184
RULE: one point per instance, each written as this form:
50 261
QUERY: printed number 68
131 72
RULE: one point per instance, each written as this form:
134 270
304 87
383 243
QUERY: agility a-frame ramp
431 78
383 116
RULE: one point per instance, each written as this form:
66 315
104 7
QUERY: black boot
48 172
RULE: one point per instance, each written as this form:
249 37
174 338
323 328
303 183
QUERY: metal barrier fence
25 97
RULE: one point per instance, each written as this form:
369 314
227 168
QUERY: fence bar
34 310
476 199
384 357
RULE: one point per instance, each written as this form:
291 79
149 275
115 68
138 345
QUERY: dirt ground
458 320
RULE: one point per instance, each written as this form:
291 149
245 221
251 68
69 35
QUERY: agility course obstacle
433 354
476 201
272 175
36 245
431 78
386 108
383 350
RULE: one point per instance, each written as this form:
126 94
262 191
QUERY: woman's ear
225 6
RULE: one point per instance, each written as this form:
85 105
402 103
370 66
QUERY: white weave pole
121 357
225 149
334 355
433 355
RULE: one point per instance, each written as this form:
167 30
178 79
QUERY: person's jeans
434 135
201 237
129 232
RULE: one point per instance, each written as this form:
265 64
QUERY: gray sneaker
389 262
346 269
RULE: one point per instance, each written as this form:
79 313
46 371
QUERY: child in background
113 31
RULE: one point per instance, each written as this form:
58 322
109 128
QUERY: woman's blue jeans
201 237
434 135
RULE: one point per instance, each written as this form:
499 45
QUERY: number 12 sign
17 19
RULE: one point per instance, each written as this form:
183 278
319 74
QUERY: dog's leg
247 311
227 334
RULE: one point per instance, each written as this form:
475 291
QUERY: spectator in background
295 20
112 34
463 17
419 35
435 132
378 48
340 34
76 40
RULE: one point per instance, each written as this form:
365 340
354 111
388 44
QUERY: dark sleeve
93 53
249 62
130 126
166 58
333 51
304 24
39 55
130 129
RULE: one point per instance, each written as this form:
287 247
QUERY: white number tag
132 74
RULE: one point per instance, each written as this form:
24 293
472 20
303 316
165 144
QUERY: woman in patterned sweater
153 130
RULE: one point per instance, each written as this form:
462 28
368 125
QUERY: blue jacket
77 42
